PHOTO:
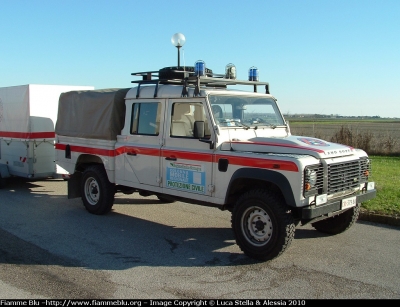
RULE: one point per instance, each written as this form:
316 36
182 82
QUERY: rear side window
145 118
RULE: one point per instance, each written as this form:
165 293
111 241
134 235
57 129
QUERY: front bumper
333 207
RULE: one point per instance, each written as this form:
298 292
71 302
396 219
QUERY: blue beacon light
200 68
253 73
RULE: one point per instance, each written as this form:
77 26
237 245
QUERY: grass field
386 175
376 137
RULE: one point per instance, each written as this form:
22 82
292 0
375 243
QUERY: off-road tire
96 190
338 223
262 224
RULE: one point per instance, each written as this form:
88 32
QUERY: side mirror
198 133
198 129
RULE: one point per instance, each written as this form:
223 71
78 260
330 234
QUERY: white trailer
28 114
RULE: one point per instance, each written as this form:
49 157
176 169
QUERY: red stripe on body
89 150
188 155
278 145
261 163
142 150
28 135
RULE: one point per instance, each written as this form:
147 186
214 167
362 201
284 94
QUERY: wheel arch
245 179
85 160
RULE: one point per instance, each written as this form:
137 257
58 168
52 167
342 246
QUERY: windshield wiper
272 126
238 122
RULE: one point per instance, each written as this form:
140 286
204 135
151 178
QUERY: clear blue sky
327 57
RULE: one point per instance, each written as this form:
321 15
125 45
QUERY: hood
291 145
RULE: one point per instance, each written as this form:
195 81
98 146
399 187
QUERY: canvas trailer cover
28 114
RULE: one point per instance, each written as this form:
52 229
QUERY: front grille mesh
343 176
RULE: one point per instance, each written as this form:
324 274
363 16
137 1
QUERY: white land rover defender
183 134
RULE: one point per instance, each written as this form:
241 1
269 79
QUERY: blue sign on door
186 177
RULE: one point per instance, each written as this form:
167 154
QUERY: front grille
342 176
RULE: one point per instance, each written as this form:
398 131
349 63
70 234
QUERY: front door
186 162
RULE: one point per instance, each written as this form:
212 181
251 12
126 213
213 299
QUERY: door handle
171 158
131 153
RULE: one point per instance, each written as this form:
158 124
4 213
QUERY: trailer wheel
262 224
97 191
338 223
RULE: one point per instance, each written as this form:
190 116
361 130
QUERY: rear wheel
97 191
263 224
338 223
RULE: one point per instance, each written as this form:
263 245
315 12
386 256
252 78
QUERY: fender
276 178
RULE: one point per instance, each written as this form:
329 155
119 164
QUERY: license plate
349 202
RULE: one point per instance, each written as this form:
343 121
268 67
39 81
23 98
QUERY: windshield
245 111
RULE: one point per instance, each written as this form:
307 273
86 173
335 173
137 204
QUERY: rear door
142 147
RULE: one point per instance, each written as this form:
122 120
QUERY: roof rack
185 77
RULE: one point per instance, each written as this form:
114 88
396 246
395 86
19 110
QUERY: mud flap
74 185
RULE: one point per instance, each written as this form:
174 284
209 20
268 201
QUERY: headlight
313 176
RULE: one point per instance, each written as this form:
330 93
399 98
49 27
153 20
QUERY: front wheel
262 224
338 223
97 191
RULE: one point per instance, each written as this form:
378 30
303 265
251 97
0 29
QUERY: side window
184 116
145 118
182 120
